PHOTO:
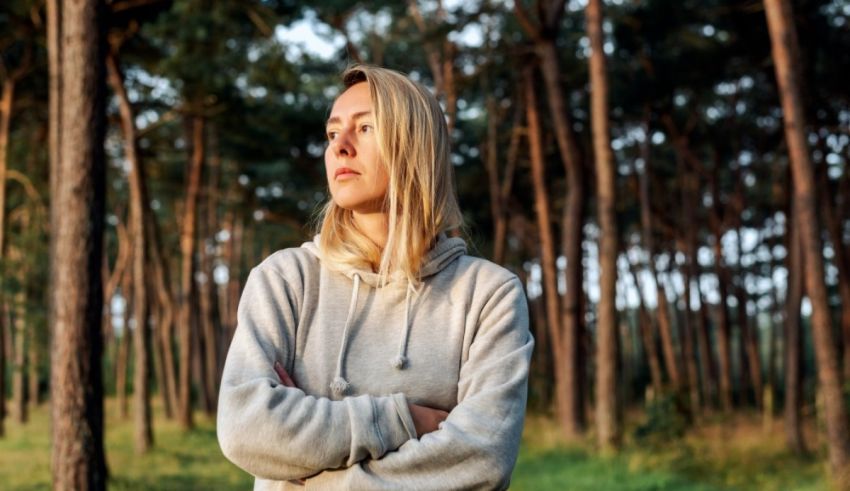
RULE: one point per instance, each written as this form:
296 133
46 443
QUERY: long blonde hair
413 143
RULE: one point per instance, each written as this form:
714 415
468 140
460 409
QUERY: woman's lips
345 173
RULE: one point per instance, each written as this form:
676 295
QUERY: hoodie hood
446 250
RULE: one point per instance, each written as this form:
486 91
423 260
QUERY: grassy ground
736 455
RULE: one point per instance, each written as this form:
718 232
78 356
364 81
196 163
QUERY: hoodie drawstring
400 360
339 384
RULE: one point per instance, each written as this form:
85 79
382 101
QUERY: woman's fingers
426 419
285 379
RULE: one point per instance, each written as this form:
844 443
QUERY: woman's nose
343 146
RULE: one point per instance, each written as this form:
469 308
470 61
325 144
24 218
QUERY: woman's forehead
355 100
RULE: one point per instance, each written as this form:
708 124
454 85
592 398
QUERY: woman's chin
358 205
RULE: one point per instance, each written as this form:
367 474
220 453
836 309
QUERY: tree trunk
6 98
648 337
665 329
33 398
165 327
607 421
122 357
5 119
19 400
706 354
834 227
794 341
547 244
723 331
76 225
187 279
785 49
749 334
143 434
207 288
572 233
158 361
689 193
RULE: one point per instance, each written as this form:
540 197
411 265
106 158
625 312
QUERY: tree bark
547 242
122 357
165 327
723 331
19 399
834 227
708 367
689 193
785 52
33 398
665 329
207 288
794 341
607 421
187 279
749 335
76 225
143 434
648 337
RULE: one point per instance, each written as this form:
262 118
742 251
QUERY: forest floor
739 455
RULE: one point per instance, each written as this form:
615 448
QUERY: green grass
736 455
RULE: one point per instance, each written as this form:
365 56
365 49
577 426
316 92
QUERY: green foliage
666 420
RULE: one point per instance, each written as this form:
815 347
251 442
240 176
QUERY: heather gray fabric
460 343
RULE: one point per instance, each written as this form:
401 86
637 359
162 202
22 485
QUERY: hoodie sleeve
280 433
476 446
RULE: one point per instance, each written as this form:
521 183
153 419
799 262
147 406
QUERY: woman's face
356 176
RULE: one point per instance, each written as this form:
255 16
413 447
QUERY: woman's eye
331 135
366 128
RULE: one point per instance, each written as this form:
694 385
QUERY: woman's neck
374 225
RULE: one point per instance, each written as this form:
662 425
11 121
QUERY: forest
668 179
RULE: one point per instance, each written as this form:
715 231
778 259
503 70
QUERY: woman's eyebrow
355 116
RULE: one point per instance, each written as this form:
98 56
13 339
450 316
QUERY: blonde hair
413 143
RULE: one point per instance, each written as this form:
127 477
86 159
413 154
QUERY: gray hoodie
358 354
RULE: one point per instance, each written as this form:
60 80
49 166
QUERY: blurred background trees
674 230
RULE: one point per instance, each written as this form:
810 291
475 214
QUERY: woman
379 355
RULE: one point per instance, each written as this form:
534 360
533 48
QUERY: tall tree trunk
648 336
665 328
547 243
19 400
723 330
157 356
689 191
571 349
706 355
122 357
187 269
76 225
834 227
165 327
207 297
32 376
607 420
6 100
785 52
794 340
2 370
143 434
572 233
749 335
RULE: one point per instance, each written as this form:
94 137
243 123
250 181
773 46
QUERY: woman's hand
426 419
285 379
